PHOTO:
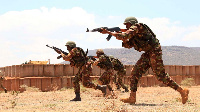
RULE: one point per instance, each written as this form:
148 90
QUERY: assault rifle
114 29
92 57
57 49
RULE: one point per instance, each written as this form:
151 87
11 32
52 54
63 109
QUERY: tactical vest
105 62
117 65
79 59
144 40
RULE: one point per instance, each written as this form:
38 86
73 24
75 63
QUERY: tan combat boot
184 94
131 99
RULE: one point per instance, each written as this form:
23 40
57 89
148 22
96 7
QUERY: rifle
92 57
57 49
114 29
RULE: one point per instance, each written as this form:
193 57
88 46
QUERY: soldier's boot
103 88
5 90
131 99
184 94
77 98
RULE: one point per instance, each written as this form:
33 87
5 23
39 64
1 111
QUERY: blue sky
181 10
26 26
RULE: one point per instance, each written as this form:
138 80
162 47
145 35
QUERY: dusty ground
148 99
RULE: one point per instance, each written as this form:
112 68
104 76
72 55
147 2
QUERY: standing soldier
103 61
121 72
142 38
78 59
1 81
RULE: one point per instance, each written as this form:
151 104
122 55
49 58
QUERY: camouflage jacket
77 57
117 65
142 38
104 62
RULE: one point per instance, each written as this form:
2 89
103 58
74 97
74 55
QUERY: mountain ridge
172 55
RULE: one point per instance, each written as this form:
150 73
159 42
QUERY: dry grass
149 99
188 82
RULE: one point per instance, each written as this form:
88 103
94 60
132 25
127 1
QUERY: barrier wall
57 70
55 83
56 76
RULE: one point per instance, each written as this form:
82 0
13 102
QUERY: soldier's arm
96 62
66 57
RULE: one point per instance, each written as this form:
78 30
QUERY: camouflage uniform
1 82
121 72
80 61
143 39
105 64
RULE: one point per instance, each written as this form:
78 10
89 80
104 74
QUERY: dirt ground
149 99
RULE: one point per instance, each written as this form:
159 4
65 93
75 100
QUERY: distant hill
172 55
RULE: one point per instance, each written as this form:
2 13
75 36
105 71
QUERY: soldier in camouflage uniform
121 72
141 38
1 81
78 59
103 61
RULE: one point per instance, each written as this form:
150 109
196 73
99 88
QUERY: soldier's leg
121 74
140 68
159 70
76 86
105 80
87 72
87 83
116 80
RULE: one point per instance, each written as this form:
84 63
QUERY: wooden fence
56 76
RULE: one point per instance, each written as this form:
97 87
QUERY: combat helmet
71 44
99 52
131 20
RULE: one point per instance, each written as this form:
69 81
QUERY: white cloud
193 35
164 28
44 19
24 34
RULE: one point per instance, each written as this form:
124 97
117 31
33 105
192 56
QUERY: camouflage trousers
84 76
118 78
105 78
154 60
